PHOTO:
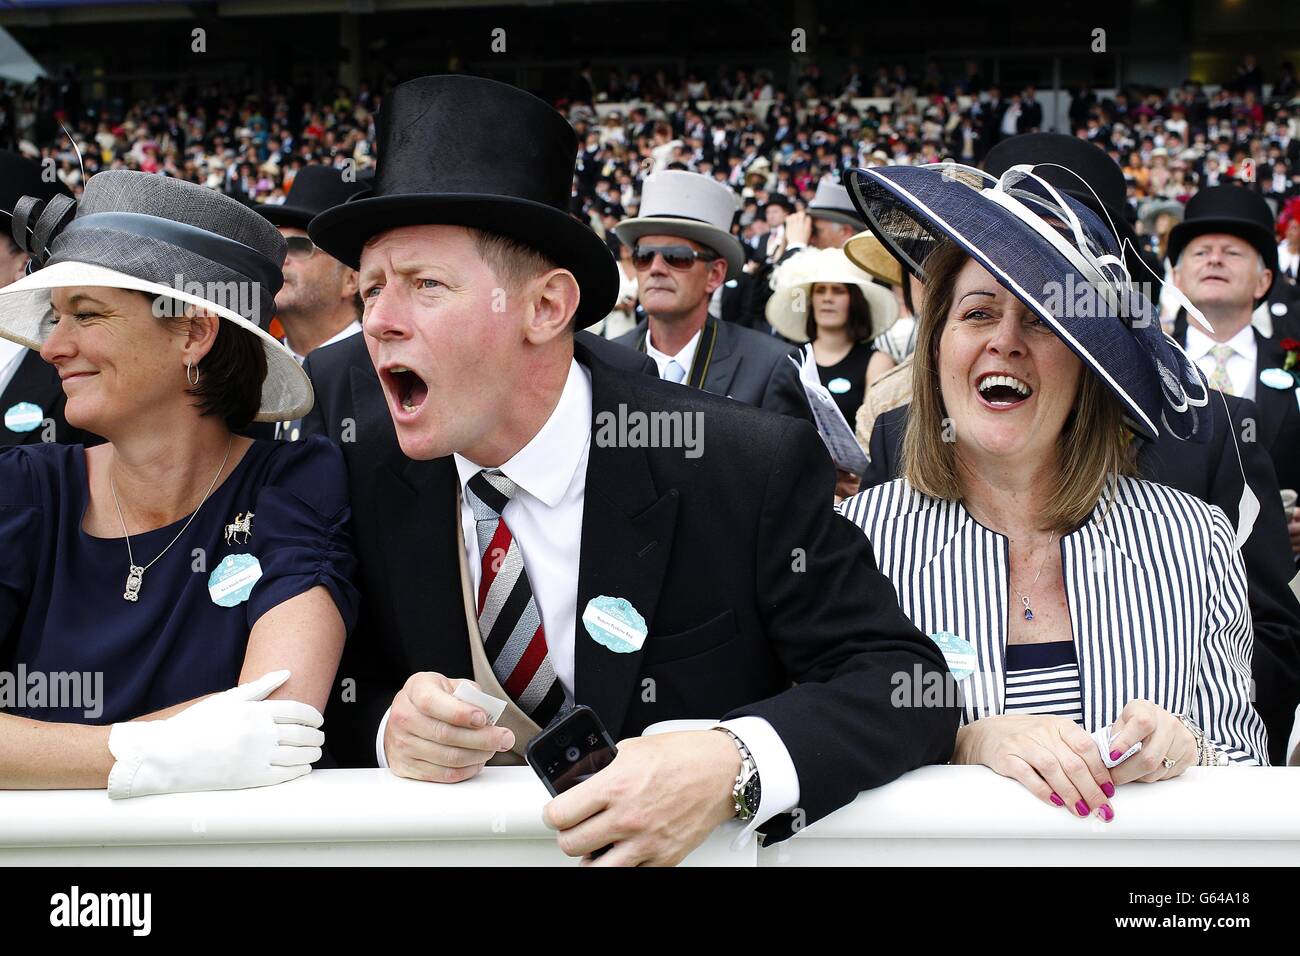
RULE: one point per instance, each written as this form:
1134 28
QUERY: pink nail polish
1057 800
1105 812
1116 754
1108 789
1082 808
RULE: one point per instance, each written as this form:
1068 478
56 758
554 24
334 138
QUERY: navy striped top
1155 587
1044 679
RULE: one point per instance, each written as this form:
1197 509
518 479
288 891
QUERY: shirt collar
1199 344
349 330
684 358
545 467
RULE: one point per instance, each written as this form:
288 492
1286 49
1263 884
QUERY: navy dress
61 604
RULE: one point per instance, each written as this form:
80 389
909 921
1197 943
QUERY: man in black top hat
1224 259
31 396
318 304
513 519
1210 471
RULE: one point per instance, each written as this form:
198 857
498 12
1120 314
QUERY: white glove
232 740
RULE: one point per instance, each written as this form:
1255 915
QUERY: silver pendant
134 578
1029 611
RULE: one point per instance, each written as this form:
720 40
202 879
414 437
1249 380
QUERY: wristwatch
747 790
1207 755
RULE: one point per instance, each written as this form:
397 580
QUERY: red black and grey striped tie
508 619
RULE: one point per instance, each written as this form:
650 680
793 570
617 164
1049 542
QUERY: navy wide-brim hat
466 151
1084 295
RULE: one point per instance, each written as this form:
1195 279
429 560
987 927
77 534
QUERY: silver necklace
135 576
1024 598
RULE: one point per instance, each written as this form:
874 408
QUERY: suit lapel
36 382
627 536
371 409
1272 402
724 363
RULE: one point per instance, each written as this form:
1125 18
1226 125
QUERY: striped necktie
1219 377
508 619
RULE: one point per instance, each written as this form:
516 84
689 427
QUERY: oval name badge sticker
839 385
23 417
1276 378
615 624
958 652
231 581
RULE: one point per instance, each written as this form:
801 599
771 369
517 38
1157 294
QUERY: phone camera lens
572 754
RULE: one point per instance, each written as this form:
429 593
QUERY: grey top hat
832 202
162 236
690 205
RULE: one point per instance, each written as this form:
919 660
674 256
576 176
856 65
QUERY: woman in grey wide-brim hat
178 558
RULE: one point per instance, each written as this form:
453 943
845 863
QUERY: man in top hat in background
506 501
318 304
1210 471
683 251
31 396
829 221
1224 260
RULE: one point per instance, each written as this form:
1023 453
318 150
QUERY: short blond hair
513 262
1095 446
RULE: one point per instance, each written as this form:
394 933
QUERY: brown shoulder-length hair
1095 446
858 325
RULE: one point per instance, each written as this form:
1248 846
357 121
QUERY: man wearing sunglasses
318 303
683 251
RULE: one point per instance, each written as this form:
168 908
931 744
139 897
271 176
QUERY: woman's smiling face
1008 382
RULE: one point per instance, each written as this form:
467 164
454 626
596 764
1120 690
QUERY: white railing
948 815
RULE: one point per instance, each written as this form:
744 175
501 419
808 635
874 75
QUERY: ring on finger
1168 763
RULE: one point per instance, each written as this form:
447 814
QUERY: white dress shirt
349 330
684 358
545 518
1241 366
11 356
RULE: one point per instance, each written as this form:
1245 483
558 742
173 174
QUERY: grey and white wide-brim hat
691 205
832 203
166 237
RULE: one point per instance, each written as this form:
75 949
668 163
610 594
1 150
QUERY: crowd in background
773 148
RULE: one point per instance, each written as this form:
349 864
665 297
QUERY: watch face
753 792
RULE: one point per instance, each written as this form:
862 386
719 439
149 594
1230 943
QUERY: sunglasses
300 247
675 257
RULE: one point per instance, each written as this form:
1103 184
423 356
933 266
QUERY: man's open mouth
1003 391
409 389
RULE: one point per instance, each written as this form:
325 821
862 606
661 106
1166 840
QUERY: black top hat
1236 210
1090 163
315 189
465 151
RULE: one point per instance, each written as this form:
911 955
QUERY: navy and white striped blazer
1155 588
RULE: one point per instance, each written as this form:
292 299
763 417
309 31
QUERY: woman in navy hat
161 569
1082 610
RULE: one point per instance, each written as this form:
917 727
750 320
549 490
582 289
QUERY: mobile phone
570 750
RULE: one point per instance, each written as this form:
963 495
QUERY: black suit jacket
1279 409
1212 473
749 588
745 365
37 382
